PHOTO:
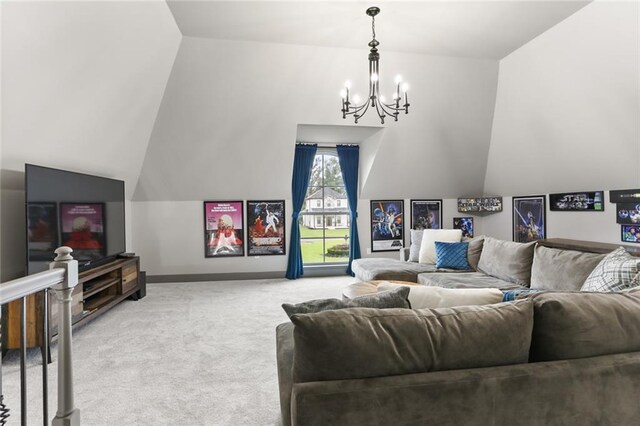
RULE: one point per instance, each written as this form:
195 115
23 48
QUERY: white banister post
67 414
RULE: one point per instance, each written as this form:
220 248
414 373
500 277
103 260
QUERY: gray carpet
187 354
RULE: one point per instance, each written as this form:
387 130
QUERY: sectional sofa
549 359
552 264
561 357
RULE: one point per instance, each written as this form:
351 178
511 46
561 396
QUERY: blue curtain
349 155
302 164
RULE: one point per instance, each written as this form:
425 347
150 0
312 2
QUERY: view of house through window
324 219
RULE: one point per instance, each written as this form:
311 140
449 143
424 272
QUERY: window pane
314 200
337 250
332 173
312 250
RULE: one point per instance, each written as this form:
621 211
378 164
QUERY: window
327 241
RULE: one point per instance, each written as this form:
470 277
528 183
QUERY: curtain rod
326 144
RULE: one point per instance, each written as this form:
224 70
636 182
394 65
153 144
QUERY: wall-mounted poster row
224 228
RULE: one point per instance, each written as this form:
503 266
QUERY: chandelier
353 106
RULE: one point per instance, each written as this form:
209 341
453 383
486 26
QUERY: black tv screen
72 209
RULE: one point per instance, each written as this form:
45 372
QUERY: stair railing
61 278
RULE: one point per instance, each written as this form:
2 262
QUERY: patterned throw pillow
452 255
617 271
416 242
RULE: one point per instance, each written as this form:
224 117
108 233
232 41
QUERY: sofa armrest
404 254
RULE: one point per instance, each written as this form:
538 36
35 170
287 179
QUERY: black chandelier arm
355 109
366 107
394 108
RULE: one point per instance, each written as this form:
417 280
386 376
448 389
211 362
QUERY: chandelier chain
373 26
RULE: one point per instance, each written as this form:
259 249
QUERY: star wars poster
529 221
266 228
631 234
223 231
577 201
465 224
426 214
628 214
387 225
82 226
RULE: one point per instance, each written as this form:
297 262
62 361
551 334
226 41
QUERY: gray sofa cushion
388 269
416 242
507 260
580 325
396 298
555 269
466 280
284 359
363 342
475 250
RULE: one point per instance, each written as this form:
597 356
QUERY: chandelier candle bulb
373 98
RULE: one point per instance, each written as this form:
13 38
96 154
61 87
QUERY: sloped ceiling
228 122
82 83
476 29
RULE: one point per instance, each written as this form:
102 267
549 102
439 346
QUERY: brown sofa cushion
507 260
363 342
555 269
579 325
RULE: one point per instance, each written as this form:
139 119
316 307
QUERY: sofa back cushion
580 325
416 243
475 250
555 269
429 238
363 342
507 260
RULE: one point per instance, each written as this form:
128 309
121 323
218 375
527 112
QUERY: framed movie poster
465 224
266 228
82 227
628 214
223 230
624 196
426 214
631 233
577 201
529 218
480 204
42 231
387 229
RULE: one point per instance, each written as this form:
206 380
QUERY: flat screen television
81 211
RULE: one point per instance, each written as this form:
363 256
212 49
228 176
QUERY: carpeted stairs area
187 354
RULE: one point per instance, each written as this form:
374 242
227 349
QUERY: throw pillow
397 298
430 236
507 260
617 271
565 270
452 255
422 297
580 325
361 343
416 242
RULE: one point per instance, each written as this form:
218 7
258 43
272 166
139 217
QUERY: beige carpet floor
187 354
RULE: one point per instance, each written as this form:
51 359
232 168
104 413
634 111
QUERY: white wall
567 118
228 123
567 108
81 87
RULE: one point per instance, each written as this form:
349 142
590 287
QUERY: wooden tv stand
99 289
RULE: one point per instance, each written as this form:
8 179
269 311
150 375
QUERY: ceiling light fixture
354 107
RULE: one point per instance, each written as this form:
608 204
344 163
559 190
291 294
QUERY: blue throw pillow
452 255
